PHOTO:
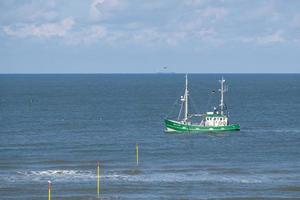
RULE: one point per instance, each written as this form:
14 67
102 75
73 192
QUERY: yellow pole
137 153
49 190
98 180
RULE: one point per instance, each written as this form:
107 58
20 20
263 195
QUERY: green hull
174 126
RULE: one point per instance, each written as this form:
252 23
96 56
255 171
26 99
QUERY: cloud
29 11
46 30
100 9
202 18
169 23
94 8
214 12
276 37
152 37
87 35
195 2
296 21
273 38
265 12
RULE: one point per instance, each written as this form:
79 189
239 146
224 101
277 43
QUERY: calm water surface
56 127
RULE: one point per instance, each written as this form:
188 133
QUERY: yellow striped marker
98 180
137 153
49 190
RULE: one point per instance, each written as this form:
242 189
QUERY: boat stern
174 126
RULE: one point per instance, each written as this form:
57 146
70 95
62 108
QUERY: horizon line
150 73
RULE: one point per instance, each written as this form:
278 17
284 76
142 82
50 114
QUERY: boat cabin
215 119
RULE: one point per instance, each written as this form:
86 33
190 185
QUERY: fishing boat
217 120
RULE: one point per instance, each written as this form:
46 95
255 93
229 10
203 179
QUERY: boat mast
222 90
186 99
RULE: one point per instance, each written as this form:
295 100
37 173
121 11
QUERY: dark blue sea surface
57 127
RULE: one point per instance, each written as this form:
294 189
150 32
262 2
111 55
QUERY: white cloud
87 35
296 21
202 19
205 33
143 36
151 37
29 11
214 12
195 2
152 23
100 9
47 30
266 12
276 37
94 12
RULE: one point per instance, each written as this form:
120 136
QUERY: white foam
58 175
62 175
195 177
54 173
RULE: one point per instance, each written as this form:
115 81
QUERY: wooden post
98 180
137 153
49 190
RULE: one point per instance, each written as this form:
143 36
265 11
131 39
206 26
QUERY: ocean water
57 127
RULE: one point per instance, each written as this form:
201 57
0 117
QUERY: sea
58 127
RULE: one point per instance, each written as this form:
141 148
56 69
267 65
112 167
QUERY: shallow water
56 127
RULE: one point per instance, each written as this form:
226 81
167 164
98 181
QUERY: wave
291 188
135 176
195 177
54 173
270 129
57 175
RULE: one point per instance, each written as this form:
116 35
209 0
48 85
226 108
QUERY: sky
149 36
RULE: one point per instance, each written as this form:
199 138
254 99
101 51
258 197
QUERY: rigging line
197 110
211 93
180 111
172 107
181 107
226 109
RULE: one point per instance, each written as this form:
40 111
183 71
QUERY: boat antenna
222 90
186 98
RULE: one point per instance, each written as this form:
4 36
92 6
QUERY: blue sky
135 36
